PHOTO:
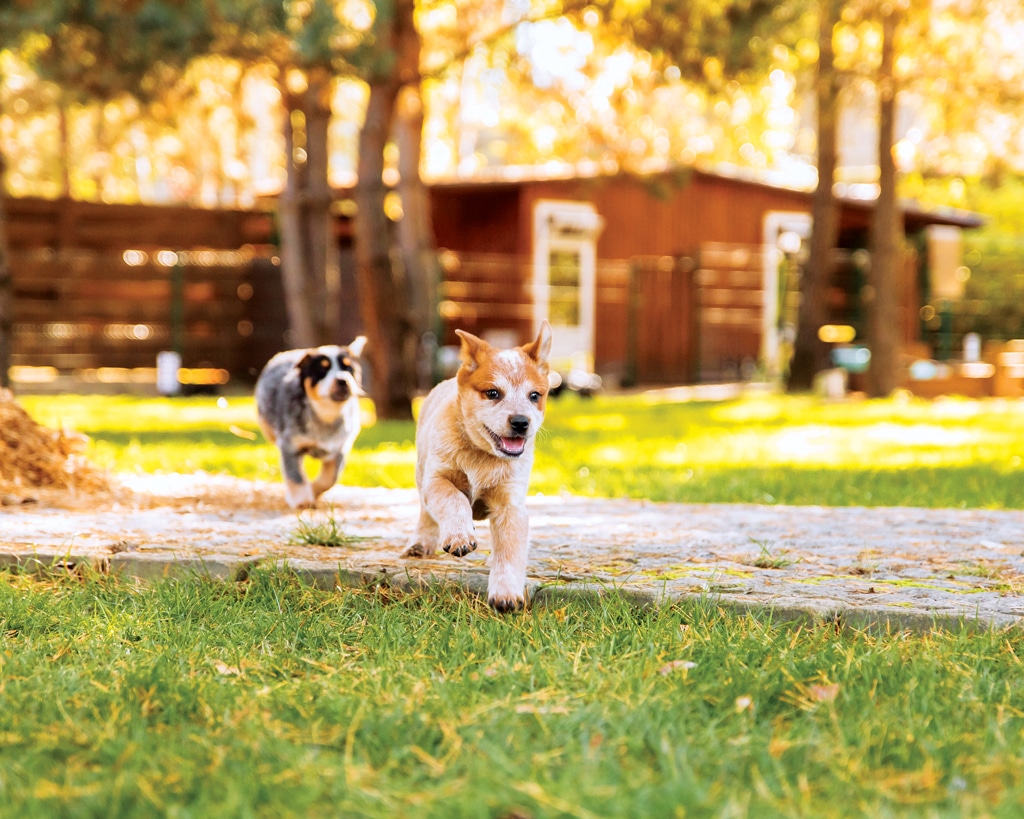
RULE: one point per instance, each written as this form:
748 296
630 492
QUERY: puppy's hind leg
329 470
424 542
266 429
297 490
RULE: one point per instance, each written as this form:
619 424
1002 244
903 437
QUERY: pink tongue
513 444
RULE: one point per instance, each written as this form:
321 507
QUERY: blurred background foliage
607 83
166 101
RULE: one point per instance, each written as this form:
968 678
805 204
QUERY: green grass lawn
270 698
770 449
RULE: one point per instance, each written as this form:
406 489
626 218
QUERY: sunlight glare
558 52
610 454
598 423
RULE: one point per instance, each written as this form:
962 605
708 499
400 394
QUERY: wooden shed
671 278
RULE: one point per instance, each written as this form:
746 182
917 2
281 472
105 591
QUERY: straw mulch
35 457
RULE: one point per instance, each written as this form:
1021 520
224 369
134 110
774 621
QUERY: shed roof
916 214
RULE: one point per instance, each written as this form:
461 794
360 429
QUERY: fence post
177 316
631 374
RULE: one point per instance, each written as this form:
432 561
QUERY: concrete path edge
154 567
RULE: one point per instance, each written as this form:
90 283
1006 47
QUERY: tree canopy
521 82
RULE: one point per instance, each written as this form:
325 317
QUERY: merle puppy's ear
295 371
356 347
540 348
472 349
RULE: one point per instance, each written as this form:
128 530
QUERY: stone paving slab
905 567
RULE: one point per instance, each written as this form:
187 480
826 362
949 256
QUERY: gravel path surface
902 567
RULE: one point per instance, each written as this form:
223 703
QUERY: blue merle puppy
307 403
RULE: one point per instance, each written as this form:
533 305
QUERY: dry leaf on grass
669 667
824 693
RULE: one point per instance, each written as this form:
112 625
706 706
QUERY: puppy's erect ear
356 347
297 368
540 349
472 349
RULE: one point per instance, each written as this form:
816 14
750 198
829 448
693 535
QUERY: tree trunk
293 271
6 298
65 147
325 256
383 288
383 285
810 353
310 267
415 230
886 235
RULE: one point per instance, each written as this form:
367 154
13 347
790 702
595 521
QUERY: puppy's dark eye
492 394
535 396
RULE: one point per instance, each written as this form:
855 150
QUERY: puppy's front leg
298 491
450 508
329 471
510 539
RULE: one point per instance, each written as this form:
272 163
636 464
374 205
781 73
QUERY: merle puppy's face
330 374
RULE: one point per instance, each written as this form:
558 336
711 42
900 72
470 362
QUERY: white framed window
564 278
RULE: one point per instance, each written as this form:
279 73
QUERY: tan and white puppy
474 452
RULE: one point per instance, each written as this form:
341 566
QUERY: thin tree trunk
886 231
6 298
383 290
383 286
810 353
65 148
293 257
310 267
415 230
325 264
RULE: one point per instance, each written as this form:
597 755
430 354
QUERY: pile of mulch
35 457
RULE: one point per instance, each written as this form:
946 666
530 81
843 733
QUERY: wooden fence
101 290
81 311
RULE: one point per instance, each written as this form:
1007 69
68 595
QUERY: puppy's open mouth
513 447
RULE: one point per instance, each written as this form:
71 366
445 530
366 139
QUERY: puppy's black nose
341 390
519 424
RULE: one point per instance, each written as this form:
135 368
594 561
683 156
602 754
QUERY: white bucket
168 363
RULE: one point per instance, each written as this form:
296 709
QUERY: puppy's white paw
459 545
505 594
300 496
504 605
